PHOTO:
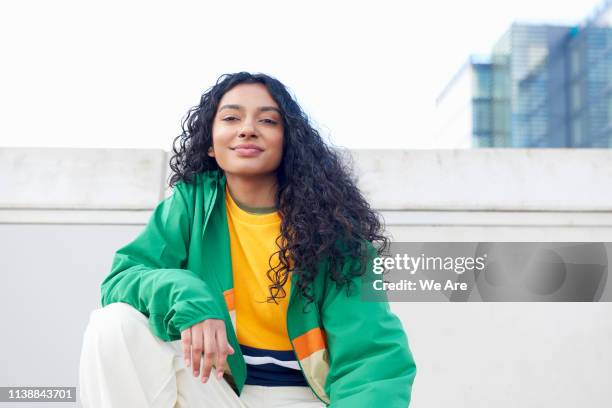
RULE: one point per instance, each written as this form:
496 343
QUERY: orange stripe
229 299
309 342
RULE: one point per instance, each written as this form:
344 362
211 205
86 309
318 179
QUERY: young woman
243 290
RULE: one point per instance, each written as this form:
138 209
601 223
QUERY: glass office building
590 83
542 86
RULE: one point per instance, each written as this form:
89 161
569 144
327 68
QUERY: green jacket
178 272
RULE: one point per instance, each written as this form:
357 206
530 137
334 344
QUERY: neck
253 191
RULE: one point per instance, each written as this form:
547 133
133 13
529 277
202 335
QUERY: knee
116 321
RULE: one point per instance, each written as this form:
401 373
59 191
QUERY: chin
249 171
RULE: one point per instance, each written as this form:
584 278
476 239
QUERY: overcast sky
123 73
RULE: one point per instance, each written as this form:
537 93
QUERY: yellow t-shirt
260 325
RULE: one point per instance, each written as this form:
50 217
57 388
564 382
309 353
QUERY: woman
243 290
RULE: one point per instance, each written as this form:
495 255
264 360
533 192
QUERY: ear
211 151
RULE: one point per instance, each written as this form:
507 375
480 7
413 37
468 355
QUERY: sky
122 74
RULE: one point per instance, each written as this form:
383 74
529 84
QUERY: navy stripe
272 375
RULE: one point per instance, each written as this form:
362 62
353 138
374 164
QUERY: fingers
210 349
196 348
223 350
207 339
186 343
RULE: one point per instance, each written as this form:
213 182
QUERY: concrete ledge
487 179
562 187
105 179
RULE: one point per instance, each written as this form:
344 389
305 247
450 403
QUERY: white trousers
123 364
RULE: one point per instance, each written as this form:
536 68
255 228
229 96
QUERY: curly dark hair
324 216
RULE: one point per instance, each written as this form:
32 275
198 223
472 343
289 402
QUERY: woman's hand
208 339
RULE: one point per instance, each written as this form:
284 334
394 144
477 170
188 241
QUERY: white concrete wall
63 213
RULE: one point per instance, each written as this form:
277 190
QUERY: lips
248 146
247 150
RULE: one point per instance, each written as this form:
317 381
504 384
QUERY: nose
247 129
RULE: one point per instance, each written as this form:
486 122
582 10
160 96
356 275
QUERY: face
247 132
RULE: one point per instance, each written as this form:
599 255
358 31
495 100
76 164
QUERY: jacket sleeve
147 272
371 364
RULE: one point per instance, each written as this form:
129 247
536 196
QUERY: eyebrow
261 109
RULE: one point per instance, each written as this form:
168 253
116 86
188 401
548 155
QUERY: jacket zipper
293 348
305 376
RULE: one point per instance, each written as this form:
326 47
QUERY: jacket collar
213 183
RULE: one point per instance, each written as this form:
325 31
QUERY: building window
576 96
575 61
577 132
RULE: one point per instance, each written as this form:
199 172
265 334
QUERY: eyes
265 120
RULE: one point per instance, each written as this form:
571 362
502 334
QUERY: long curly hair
325 220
